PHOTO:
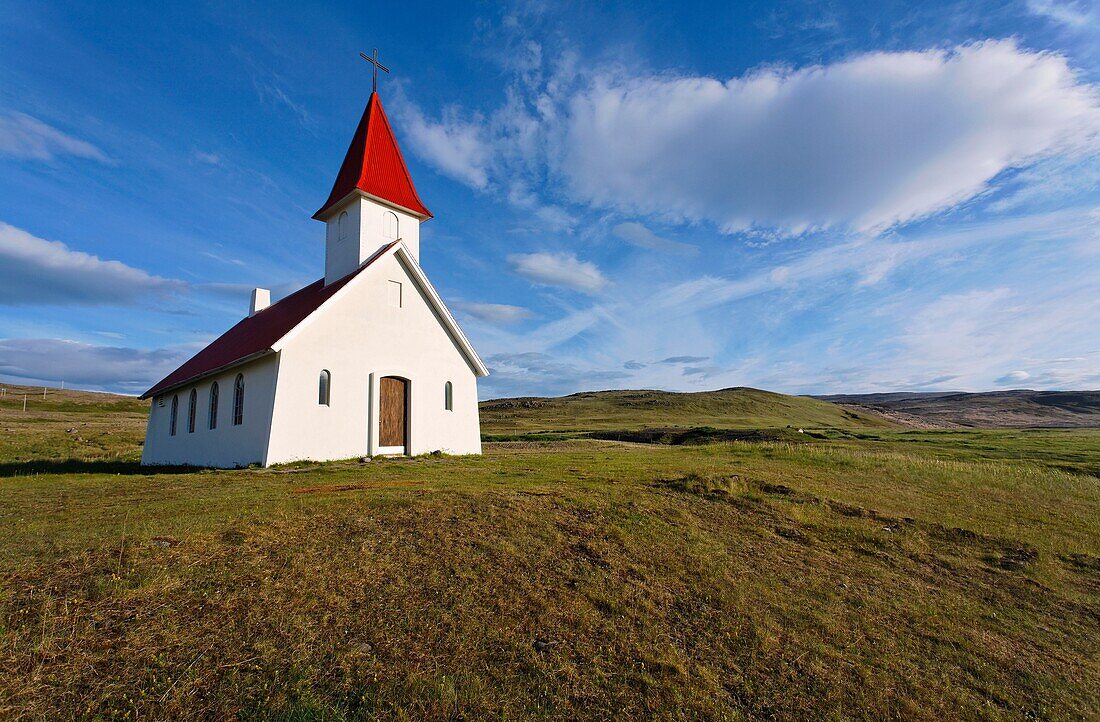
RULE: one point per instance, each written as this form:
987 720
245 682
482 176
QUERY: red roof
255 335
374 165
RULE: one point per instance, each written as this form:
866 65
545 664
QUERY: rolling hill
734 408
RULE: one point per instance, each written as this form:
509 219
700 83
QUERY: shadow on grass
90 466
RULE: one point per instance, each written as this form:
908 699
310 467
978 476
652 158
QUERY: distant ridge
1014 409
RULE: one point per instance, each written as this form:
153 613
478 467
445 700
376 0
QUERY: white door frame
374 416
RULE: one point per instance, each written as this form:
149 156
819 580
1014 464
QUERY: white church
365 361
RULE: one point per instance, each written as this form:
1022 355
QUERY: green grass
736 408
871 573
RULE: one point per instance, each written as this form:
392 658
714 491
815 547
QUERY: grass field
736 408
864 571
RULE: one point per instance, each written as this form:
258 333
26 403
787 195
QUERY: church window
213 420
192 402
175 413
238 400
448 397
342 226
389 225
394 290
323 384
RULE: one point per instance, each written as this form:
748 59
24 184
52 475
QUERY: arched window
342 226
213 421
192 402
448 397
323 385
175 413
389 225
238 400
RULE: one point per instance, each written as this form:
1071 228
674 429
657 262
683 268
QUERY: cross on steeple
373 60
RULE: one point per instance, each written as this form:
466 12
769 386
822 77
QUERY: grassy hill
736 408
71 401
872 572
66 427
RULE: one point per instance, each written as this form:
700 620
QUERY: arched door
393 416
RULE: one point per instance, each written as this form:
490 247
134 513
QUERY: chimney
261 299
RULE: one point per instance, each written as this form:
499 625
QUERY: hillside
735 408
67 400
996 409
880 574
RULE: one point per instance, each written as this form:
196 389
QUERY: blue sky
805 197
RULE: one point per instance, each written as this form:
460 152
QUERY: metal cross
377 66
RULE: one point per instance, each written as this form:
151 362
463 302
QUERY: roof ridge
258 333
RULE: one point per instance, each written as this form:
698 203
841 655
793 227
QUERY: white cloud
558 269
207 158
869 142
638 235
682 360
455 146
1013 377
80 364
22 136
516 373
866 143
498 313
37 271
554 218
1063 13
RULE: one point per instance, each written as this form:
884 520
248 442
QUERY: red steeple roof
374 165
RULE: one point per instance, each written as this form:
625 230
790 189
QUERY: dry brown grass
841 578
428 603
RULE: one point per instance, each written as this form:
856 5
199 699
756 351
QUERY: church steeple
373 165
373 201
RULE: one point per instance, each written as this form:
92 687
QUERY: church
365 361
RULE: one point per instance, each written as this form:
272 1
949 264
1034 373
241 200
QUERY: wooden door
393 411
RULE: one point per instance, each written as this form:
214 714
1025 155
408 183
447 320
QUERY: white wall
365 235
227 445
342 256
357 334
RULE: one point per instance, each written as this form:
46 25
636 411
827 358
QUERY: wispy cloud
837 318
638 235
36 271
1012 378
1075 15
558 269
271 91
22 136
496 313
207 158
512 373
